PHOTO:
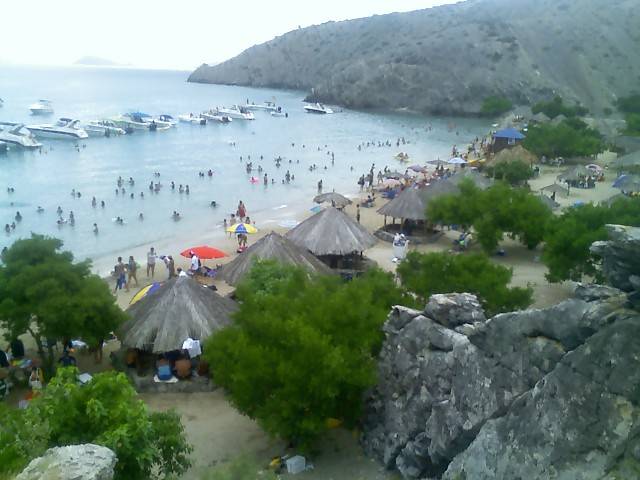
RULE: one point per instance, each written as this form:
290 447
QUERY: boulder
620 256
454 309
74 462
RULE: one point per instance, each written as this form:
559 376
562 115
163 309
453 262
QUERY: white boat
193 119
164 121
64 128
103 128
131 121
317 108
236 112
279 113
15 134
214 116
266 106
41 107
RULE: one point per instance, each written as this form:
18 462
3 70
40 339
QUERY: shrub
427 273
571 138
556 107
516 172
492 106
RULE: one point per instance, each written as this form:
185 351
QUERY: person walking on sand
132 268
358 213
242 211
119 271
171 266
151 262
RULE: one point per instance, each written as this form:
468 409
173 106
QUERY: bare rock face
620 257
75 462
455 389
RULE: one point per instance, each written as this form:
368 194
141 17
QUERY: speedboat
16 134
64 128
193 119
131 121
278 113
41 107
236 112
215 116
103 128
266 106
165 121
317 108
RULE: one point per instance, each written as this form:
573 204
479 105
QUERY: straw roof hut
331 232
478 179
180 309
556 188
333 198
540 118
271 247
512 154
408 204
549 202
626 161
574 173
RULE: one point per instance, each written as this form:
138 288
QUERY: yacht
215 116
64 128
236 112
193 119
266 106
278 112
317 108
16 134
131 121
41 107
164 121
103 128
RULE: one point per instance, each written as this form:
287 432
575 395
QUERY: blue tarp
511 133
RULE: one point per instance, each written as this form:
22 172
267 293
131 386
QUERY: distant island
97 61
449 60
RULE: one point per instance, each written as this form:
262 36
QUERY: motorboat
236 112
193 119
278 112
64 128
266 106
15 134
164 121
41 107
103 128
135 121
317 108
215 116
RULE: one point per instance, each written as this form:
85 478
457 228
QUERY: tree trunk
47 360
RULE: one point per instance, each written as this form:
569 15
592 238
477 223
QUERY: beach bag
164 373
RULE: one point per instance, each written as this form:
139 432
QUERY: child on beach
119 271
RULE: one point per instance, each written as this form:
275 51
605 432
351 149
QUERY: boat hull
57 134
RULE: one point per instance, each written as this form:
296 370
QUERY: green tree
104 411
302 349
44 293
633 124
570 138
569 236
515 173
495 105
493 213
556 106
629 104
428 273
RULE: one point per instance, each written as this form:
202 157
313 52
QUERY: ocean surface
47 178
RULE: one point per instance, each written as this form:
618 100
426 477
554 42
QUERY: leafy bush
569 236
556 107
427 273
570 138
492 106
302 349
633 124
105 412
494 212
515 173
630 104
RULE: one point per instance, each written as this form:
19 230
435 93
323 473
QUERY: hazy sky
164 33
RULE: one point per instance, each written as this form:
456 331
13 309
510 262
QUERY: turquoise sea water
47 178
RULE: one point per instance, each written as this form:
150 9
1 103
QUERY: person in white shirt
151 262
195 263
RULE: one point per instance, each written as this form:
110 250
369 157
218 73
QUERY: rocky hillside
448 59
536 394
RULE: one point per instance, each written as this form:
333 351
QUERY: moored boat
215 116
102 128
64 129
41 107
193 119
236 112
16 134
266 106
317 108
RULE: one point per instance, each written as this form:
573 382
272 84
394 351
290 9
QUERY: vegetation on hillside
493 106
516 172
630 106
493 213
302 350
44 293
427 273
569 138
105 411
556 106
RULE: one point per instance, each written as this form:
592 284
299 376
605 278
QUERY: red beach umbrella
204 252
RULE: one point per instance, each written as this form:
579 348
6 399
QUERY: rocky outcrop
448 59
534 394
75 462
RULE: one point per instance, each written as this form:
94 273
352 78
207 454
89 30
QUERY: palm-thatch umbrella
626 161
333 198
509 155
574 174
271 247
478 179
549 202
556 188
409 204
331 232
540 118
181 308
396 175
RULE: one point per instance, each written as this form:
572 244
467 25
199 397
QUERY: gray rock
591 292
453 309
620 256
75 462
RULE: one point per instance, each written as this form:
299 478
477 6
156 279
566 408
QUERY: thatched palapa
331 232
408 204
180 309
510 155
627 161
478 179
333 198
272 247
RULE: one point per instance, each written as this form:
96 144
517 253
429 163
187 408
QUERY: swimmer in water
95 228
